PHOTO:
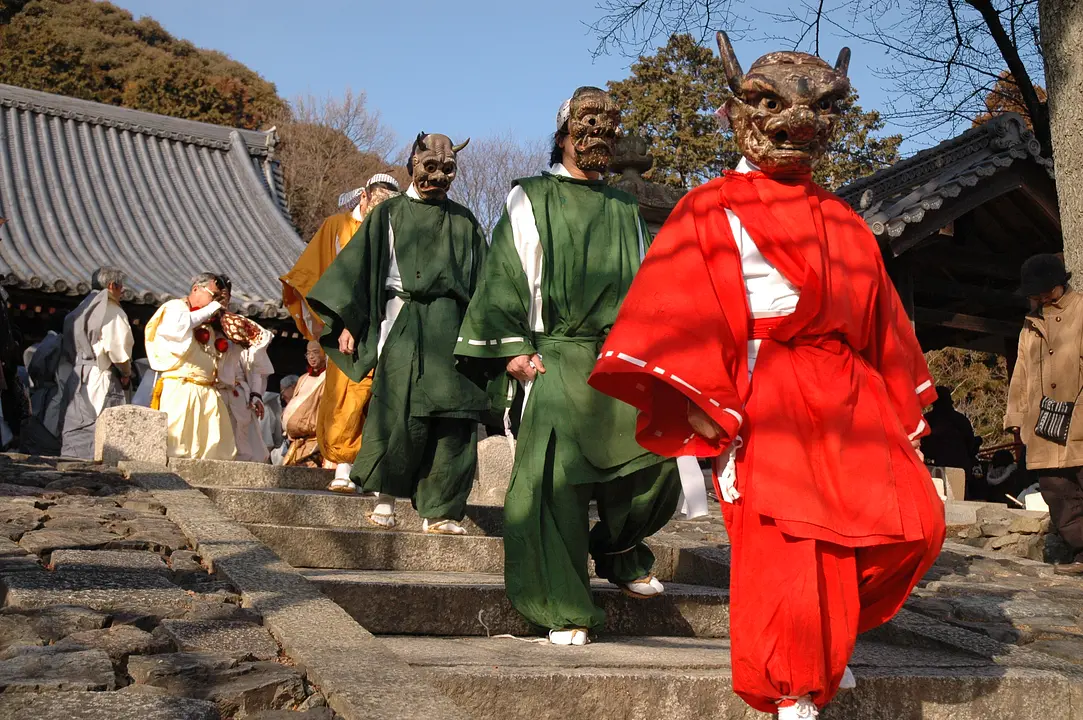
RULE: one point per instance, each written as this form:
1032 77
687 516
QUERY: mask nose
801 125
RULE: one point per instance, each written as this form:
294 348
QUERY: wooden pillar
902 276
1011 354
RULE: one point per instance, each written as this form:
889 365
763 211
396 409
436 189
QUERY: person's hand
525 368
702 424
916 444
256 406
125 381
346 343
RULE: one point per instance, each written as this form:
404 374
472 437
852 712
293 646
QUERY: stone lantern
656 201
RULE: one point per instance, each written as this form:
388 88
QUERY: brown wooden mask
594 126
785 109
432 165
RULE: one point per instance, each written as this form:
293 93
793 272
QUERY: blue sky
503 65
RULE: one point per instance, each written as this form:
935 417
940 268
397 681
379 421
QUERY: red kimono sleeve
671 342
893 350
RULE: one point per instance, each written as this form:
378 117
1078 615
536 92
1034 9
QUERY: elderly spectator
300 416
184 350
98 343
1044 393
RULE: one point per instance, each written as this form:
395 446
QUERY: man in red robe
832 515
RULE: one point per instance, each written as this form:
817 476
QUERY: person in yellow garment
184 349
344 402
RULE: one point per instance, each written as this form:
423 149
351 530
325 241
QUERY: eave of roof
187 131
84 185
893 198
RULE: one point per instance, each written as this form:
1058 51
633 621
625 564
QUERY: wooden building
84 185
955 223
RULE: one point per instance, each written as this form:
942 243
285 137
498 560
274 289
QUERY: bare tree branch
945 55
487 169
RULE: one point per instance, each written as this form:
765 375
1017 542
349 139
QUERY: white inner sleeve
394 302
528 245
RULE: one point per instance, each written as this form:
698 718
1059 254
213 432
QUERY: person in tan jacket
1050 364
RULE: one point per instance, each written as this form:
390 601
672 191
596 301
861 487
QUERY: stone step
228 473
405 550
444 603
364 549
689 679
490 482
320 508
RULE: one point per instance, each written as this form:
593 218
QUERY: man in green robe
562 258
397 293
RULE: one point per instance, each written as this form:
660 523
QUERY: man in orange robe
832 515
344 402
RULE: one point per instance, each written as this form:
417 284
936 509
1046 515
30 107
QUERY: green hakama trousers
548 538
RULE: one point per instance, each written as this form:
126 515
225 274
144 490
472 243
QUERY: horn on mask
419 144
456 148
734 73
842 65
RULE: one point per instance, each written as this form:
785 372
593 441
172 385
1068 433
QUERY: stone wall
1011 532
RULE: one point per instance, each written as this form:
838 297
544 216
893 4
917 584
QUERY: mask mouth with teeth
594 126
432 165
785 110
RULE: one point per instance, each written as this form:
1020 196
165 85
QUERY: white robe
198 425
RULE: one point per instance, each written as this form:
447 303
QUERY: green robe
418 389
575 444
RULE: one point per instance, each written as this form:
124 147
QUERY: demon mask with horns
785 109
432 165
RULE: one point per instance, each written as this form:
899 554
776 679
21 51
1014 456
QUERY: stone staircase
438 602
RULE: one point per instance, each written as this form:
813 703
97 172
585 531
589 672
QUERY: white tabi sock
342 471
385 504
803 709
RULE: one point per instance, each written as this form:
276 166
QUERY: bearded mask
432 165
594 126
785 110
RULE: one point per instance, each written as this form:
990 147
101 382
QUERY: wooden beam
927 285
973 323
959 259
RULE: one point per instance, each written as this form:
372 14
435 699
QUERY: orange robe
342 409
838 518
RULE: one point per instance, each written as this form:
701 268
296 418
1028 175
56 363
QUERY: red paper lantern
221 345
202 335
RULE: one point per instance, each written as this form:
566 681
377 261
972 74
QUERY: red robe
826 448
838 519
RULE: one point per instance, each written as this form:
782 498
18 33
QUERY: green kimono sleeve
497 321
352 295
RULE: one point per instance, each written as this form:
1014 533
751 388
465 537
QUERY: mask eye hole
449 168
827 104
771 103
430 166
